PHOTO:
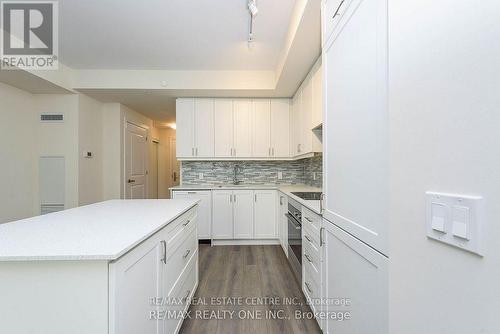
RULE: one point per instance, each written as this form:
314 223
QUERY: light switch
438 212
460 219
455 220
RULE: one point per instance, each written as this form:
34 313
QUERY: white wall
445 135
111 151
17 121
59 139
90 138
164 162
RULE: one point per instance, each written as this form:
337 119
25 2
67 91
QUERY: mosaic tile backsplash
254 172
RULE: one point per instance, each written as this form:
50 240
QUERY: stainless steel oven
294 216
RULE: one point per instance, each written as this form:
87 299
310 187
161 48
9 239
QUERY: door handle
175 176
164 244
186 223
321 236
130 181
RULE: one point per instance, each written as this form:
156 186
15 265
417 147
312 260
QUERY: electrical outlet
200 176
280 175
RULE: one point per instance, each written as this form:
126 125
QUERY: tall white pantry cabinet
356 157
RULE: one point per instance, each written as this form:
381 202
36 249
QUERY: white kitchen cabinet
317 98
305 115
204 210
295 124
265 214
356 126
195 128
261 110
242 115
243 215
204 128
184 111
353 270
280 128
282 221
222 214
224 123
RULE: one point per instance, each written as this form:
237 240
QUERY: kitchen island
110 267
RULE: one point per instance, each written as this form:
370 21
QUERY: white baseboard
245 242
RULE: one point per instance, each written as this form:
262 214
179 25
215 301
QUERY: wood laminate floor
232 278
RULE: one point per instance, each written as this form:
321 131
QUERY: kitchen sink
308 195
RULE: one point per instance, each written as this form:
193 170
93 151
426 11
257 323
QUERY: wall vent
51 117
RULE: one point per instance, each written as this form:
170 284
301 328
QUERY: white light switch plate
455 220
200 176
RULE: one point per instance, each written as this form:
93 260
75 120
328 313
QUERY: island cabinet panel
154 278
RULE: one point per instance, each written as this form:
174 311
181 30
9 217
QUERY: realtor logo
29 35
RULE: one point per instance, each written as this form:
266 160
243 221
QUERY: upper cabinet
195 128
307 113
280 128
224 128
242 113
261 110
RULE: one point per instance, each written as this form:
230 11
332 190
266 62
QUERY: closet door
224 128
261 110
242 113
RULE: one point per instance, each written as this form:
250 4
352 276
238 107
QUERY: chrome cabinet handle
338 9
272 151
186 254
308 239
164 244
192 151
197 151
321 198
269 151
255 196
308 287
321 236
186 223
308 219
308 258
281 200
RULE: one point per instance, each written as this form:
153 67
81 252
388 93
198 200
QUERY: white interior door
204 128
135 162
243 214
184 117
222 215
223 127
242 128
280 128
265 214
261 110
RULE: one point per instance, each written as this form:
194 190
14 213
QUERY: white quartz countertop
285 189
101 231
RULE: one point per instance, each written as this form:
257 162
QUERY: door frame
124 154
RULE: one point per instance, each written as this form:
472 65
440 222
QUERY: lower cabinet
243 214
265 214
204 211
282 221
158 276
355 271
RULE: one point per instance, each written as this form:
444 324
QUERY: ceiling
171 34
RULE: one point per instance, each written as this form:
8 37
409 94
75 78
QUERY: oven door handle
292 219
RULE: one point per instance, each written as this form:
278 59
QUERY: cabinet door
283 221
204 210
356 130
261 110
243 214
204 128
138 278
184 114
280 128
222 215
317 98
242 113
354 270
306 117
223 128
265 214
295 134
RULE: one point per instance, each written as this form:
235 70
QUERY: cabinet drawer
312 266
311 243
182 224
331 14
312 290
182 293
178 255
311 222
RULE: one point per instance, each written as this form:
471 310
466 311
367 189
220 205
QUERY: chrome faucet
236 170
